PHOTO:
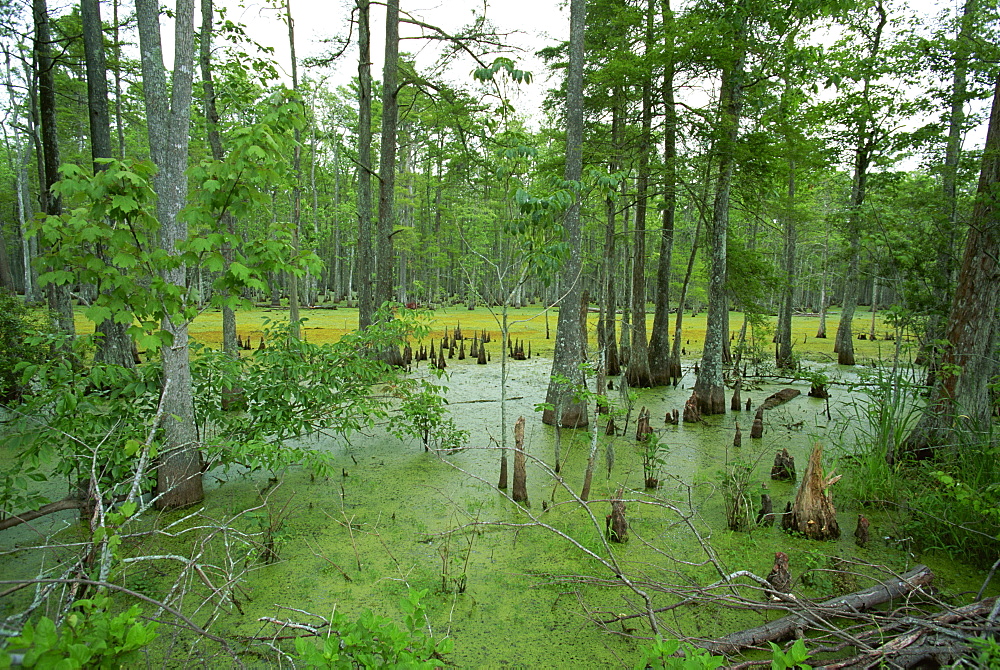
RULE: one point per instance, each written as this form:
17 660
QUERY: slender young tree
863 154
57 295
709 386
179 466
114 345
564 408
365 263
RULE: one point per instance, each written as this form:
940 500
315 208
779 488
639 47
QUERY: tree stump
784 466
673 417
643 429
735 405
481 358
520 492
615 524
692 414
474 348
765 515
610 429
461 350
749 405
780 577
818 390
441 365
861 535
738 437
813 513
757 429
407 354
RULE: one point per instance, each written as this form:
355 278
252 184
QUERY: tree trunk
114 345
961 401
57 295
709 387
365 255
659 341
560 397
179 466
294 327
844 344
637 372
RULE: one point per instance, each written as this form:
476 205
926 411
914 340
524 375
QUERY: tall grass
880 420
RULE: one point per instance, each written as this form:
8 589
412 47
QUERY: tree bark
637 372
659 340
961 399
114 345
365 258
864 151
179 466
564 406
709 387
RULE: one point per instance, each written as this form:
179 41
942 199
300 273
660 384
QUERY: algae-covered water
512 587
398 517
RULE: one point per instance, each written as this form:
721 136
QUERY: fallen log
911 647
812 614
780 398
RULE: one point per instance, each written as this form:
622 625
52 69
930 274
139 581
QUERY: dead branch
859 601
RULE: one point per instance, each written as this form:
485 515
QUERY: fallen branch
859 601
925 639
51 508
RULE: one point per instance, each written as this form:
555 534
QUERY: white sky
532 24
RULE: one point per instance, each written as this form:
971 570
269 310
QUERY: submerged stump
520 492
757 429
784 466
861 533
615 524
643 429
735 405
692 412
813 513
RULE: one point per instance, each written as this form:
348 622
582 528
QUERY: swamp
280 551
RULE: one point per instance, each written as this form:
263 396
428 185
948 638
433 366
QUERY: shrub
16 324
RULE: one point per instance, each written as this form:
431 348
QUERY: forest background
706 156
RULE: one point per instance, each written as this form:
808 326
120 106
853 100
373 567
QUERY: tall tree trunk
293 279
784 357
637 372
844 344
659 341
58 296
232 397
961 401
365 261
565 408
114 345
709 387
387 160
179 466
947 221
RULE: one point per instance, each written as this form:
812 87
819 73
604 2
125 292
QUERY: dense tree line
733 155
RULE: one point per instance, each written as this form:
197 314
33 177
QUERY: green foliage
16 325
373 641
737 481
660 654
654 457
90 637
956 501
795 657
881 421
